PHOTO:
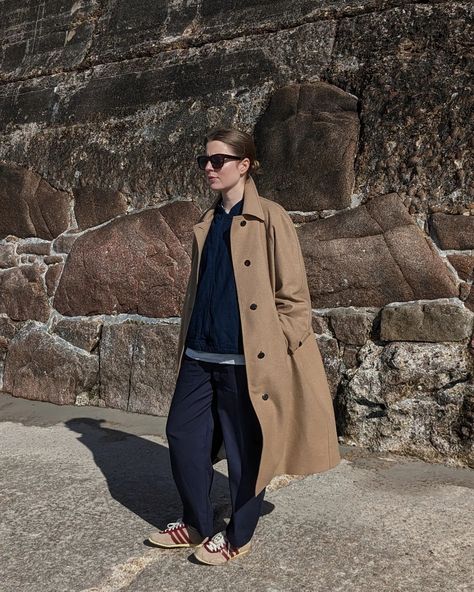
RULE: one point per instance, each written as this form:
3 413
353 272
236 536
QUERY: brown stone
319 323
8 330
464 265
469 298
307 139
8 257
52 275
51 259
453 232
35 247
350 356
351 327
95 205
83 333
22 293
30 206
180 217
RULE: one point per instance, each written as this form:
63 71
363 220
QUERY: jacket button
260 355
253 306
243 223
265 396
247 262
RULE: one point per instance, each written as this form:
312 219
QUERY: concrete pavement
81 487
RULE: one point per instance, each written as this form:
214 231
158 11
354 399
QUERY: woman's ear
244 165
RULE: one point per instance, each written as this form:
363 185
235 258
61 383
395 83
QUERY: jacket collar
252 205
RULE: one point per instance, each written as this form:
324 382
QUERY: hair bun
255 165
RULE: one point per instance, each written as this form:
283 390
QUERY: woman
249 371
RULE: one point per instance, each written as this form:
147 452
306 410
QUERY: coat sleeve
292 297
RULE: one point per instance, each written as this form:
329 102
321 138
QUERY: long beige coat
286 378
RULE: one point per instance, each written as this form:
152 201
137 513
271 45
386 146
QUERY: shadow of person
138 474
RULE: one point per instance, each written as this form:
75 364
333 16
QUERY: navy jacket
215 321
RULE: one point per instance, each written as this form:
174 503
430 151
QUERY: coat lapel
251 207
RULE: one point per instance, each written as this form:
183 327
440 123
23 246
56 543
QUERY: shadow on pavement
138 474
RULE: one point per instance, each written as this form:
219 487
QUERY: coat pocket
301 341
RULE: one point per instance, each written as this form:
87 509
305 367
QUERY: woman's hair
241 142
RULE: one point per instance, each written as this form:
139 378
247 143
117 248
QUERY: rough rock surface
413 398
371 255
360 111
44 367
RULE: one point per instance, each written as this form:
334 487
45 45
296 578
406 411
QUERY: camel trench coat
286 378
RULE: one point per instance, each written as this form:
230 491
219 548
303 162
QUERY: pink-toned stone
133 264
372 255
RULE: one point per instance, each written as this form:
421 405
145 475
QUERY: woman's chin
215 185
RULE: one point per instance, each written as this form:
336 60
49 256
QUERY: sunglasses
217 160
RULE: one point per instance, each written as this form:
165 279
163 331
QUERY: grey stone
411 398
44 367
439 320
137 366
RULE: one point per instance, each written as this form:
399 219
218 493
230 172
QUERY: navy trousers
207 393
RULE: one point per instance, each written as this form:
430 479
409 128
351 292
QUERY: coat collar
251 207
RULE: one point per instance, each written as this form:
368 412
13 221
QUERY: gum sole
234 557
173 545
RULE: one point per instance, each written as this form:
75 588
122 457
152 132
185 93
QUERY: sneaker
177 534
218 550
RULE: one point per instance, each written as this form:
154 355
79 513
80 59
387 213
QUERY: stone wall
360 111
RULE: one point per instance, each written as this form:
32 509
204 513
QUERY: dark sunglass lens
217 161
202 161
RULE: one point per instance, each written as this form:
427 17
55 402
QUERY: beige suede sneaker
177 534
218 550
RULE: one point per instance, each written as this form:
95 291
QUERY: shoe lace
217 542
173 525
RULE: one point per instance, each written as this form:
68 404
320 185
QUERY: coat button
253 306
260 355
243 223
265 396
247 262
